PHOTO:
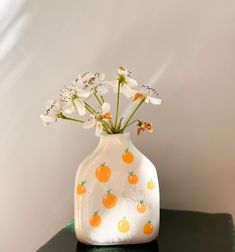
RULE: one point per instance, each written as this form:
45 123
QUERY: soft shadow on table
148 247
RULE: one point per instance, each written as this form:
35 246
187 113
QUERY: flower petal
102 90
122 70
155 100
138 97
107 117
101 77
109 84
79 80
105 107
68 108
49 103
90 123
128 92
114 85
80 106
83 93
57 107
98 130
131 82
147 99
88 76
48 119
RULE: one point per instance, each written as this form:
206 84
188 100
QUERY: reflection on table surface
148 247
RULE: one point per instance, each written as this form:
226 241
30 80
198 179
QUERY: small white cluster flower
53 109
127 83
148 94
93 82
74 99
97 120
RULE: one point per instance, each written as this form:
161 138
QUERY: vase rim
112 135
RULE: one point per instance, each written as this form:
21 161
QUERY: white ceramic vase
116 195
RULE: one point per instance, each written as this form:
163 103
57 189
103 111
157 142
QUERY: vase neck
119 139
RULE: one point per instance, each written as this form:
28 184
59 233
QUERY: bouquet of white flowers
75 99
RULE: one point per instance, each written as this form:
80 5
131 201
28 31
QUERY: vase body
116 196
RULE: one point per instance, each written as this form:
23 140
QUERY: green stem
106 127
111 126
68 118
102 98
89 108
132 122
96 96
132 114
118 101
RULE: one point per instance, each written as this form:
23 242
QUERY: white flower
53 109
93 122
95 83
153 100
78 82
127 83
147 94
122 70
72 99
96 120
105 111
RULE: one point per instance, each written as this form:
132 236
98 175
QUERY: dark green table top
180 231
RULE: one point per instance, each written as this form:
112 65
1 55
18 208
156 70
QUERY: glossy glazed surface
116 195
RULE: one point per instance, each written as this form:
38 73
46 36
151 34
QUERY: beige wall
184 48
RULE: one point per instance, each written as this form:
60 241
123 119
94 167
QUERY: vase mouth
110 138
126 134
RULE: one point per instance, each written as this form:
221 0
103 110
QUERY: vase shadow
146 247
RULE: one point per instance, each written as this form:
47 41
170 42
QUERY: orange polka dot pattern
103 174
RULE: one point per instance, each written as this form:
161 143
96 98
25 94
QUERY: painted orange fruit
127 156
132 178
150 184
81 189
123 225
141 208
148 228
103 173
95 219
110 200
